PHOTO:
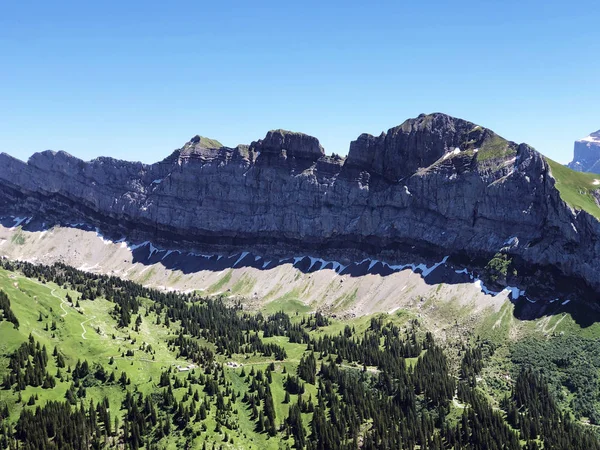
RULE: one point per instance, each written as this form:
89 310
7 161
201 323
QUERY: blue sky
135 80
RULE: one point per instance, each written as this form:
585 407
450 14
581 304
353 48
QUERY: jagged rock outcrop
434 185
587 154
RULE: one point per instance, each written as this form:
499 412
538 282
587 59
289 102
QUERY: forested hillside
90 361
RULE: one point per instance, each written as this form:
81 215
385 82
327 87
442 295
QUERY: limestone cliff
435 185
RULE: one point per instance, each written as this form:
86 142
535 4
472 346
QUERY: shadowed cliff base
451 270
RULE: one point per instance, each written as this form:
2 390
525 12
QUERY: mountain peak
419 142
586 157
293 143
593 137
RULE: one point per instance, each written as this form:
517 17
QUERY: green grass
30 298
244 285
209 143
219 285
86 333
494 148
290 303
18 237
576 188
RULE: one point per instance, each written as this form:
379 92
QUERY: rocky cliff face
435 185
587 154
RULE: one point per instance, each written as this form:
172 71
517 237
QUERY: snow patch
136 246
104 241
157 181
242 256
153 249
565 302
18 221
514 291
591 138
313 261
454 152
596 182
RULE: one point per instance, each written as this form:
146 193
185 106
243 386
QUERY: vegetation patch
100 362
18 238
498 267
219 285
495 147
571 365
576 188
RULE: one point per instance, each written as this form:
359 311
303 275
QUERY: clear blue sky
135 80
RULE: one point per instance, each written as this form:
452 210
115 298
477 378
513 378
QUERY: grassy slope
576 187
494 148
29 298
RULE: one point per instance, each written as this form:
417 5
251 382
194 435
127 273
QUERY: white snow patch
515 292
591 138
104 241
511 241
482 287
152 249
406 190
565 302
313 261
265 264
456 151
18 221
242 256
157 181
596 182
136 246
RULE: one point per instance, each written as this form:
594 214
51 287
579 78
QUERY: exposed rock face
297 145
587 154
434 185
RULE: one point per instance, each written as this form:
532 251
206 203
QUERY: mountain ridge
433 185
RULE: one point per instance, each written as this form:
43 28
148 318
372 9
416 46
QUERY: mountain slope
587 154
434 186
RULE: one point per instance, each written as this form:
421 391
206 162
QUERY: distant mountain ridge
435 185
587 154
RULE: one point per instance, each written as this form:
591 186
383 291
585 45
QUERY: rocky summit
434 186
587 154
